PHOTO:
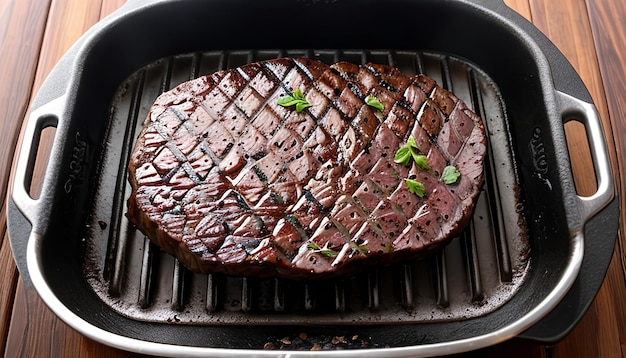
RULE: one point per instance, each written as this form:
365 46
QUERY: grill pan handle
43 117
573 108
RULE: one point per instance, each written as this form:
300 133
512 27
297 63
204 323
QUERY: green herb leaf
301 105
374 102
297 94
403 156
312 246
450 175
410 150
296 99
415 187
356 248
325 251
329 253
287 101
420 160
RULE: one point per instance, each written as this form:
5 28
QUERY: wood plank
49 337
8 280
609 35
67 21
22 26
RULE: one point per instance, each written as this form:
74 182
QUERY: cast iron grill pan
98 93
475 275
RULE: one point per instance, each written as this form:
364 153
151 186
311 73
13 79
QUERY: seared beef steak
286 168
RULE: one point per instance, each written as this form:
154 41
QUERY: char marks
251 187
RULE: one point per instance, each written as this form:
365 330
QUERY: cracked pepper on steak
228 180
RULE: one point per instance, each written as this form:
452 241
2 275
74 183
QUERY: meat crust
228 180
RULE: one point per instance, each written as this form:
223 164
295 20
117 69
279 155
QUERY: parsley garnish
403 156
297 99
450 174
312 246
415 187
329 253
421 161
410 151
324 251
372 101
356 248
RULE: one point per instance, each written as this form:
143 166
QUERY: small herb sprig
372 101
415 187
450 174
324 251
410 151
296 98
356 248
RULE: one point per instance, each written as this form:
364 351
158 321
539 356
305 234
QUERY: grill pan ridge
532 243
478 273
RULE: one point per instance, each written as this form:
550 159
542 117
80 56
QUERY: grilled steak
286 168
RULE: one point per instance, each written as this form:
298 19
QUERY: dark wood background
34 34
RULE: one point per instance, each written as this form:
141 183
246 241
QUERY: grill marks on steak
229 181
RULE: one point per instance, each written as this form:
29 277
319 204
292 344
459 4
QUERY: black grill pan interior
475 275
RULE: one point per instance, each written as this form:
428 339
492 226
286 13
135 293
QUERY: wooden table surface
34 34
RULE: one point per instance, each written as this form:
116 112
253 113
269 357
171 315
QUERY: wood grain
21 33
8 279
49 337
609 34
